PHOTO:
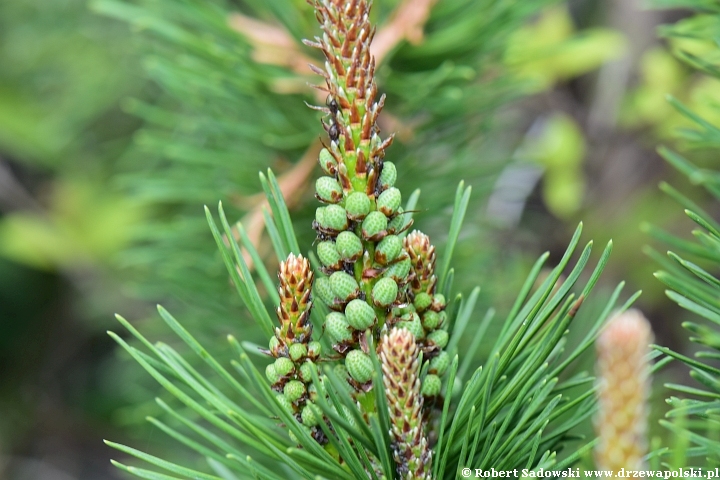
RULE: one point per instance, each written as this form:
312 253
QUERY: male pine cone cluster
359 247
368 267
399 356
379 284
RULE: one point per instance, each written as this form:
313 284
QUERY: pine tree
355 403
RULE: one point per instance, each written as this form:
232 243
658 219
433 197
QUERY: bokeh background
119 120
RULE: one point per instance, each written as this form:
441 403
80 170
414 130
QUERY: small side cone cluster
292 347
401 377
429 309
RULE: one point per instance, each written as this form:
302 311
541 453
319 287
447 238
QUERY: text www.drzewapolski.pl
577 473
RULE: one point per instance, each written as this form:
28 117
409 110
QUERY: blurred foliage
84 225
669 71
544 53
691 274
64 71
551 49
559 147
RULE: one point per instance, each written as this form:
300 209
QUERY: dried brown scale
370 190
354 115
380 150
339 67
318 71
345 182
349 143
361 165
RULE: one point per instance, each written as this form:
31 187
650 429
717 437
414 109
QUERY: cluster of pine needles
363 374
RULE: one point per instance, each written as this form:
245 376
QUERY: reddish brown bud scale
348 144
346 46
351 74
345 182
373 177
361 165
339 68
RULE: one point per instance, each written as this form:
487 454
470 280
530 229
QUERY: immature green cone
401 378
623 369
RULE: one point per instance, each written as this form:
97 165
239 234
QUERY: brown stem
406 23
273 45
291 184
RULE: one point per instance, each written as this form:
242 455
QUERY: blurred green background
119 120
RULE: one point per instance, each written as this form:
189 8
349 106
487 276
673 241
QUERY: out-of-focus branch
406 23
272 45
291 183
13 195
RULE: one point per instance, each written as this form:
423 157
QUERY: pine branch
349 404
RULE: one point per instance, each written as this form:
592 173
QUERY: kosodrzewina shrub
362 374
